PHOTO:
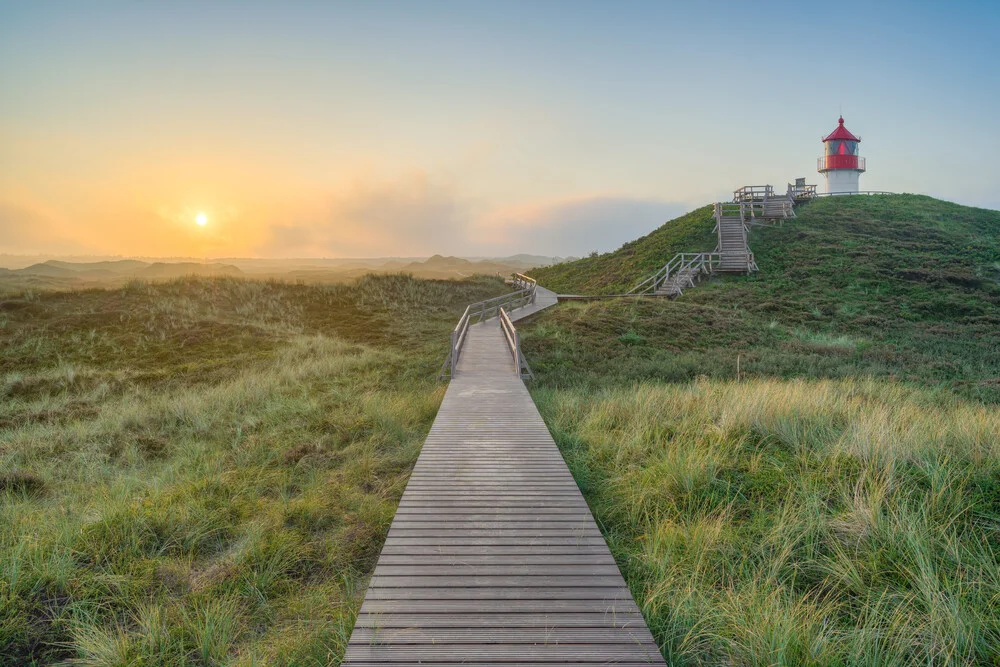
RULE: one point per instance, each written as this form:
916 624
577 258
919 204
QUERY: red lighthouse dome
841 163
841 150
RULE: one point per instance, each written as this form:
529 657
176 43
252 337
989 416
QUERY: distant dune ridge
65 274
61 274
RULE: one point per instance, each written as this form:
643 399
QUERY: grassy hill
895 286
893 230
797 467
202 471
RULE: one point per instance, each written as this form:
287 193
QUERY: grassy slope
785 519
901 286
202 471
617 272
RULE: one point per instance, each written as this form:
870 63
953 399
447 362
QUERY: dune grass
799 466
202 472
797 522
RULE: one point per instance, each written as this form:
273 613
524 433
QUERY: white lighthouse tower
840 162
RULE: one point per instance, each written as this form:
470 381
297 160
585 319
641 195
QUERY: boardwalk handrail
484 310
513 339
753 193
802 191
457 341
856 192
521 281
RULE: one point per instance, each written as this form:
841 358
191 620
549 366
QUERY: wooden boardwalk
493 556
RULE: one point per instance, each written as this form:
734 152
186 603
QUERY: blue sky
408 128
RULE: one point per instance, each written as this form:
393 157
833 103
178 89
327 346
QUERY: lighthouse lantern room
840 162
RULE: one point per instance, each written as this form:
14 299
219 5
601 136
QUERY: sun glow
201 219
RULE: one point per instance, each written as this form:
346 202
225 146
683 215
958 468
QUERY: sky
407 128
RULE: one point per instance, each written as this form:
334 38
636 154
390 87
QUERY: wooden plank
458 619
484 509
601 606
636 652
481 663
569 523
502 515
481 569
505 540
459 550
548 636
534 591
494 581
493 559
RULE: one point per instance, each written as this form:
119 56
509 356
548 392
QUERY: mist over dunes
24 272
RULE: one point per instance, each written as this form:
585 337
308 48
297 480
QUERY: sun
201 219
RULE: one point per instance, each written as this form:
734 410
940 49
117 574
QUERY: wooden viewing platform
493 556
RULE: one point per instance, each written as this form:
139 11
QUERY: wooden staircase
778 208
731 225
677 275
751 205
688 272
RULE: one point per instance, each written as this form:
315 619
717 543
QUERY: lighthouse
840 162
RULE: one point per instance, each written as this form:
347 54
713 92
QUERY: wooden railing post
454 352
517 357
517 354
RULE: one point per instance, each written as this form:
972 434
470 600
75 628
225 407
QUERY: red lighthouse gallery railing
840 162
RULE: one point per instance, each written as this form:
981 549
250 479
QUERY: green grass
798 466
202 472
904 287
796 522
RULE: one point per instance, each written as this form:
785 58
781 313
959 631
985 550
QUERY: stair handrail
689 265
857 192
651 283
677 263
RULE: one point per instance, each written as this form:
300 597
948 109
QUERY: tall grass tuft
775 522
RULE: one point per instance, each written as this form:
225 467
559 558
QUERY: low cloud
411 217
26 232
575 226
419 217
